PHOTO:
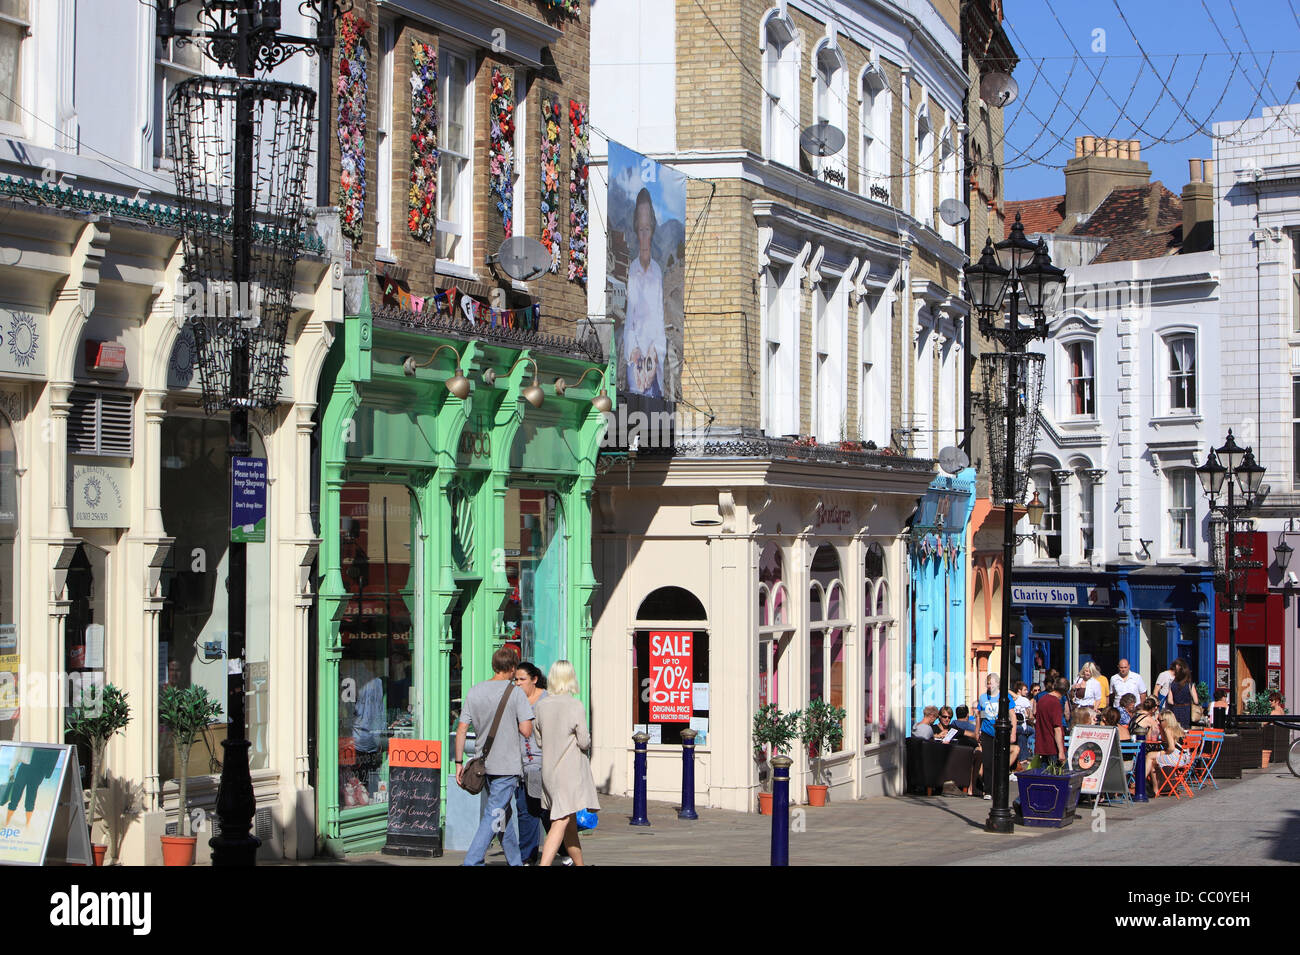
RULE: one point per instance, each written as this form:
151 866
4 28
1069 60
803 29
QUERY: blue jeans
530 827
495 818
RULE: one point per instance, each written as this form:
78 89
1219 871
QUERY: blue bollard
1140 772
688 776
639 817
781 810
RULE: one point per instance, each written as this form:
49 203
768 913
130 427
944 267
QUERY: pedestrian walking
495 708
1127 680
567 784
528 797
1182 694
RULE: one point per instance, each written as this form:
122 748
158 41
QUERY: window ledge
386 256
1079 423
1193 417
452 270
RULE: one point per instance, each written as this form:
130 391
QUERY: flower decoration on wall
550 178
351 93
571 7
501 150
578 141
422 216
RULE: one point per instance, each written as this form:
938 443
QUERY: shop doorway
1099 644
84 633
1251 675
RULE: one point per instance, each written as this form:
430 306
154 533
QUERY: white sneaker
1012 777
987 796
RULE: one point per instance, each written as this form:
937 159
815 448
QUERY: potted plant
821 729
187 712
774 731
1048 795
95 719
1252 736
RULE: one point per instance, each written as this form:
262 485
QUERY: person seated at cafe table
1083 716
1127 709
1110 717
1171 736
1275 704
925 728
967 726
1145 719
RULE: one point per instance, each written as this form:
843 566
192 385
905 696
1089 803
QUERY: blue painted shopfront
1146 615
937 564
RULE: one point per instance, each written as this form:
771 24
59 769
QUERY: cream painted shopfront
786 565
114 509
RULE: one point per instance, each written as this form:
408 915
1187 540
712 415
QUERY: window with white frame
922 176
384 140
775 630
521 114
877 624
947 173
15 27
455 160
1182 372
873 387
1047 538
781 92
780 321
831 345
827 624
1182 510
1087 498
1080 383
1295 282
1295 432
830 105
174 62
873 179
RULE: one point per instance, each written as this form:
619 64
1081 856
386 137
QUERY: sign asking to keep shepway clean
670 676
248 501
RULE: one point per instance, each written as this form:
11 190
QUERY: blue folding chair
1202 770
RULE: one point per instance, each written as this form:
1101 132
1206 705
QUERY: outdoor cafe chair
1170 778
1202 770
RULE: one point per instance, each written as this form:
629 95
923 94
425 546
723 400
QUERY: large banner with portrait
646 277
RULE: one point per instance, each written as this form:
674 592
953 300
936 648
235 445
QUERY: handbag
474 776
1198 713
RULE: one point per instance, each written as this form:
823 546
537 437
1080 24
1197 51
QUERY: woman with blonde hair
1087 689
567 785
1171 734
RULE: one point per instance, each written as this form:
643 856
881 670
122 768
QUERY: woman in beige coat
567 786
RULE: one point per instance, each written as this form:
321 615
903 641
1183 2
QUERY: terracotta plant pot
765 804
1264 756
99 852
179 850
817 795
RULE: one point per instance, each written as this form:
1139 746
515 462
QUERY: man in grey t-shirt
505 762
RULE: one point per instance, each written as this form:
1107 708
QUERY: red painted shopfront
1262 627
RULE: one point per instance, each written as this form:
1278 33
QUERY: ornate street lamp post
241 148
1234 466
1013 269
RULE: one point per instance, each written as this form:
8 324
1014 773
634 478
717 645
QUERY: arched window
781 89
876 104
877 622
1047 539
827 621
669 617
830 105
923 175
774 630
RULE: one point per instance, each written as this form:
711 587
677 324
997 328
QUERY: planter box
1229 762
1252 746
1278 739
1047 800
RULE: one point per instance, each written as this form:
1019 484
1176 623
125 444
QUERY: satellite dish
953 211
953 460
821 139
998 89
522 258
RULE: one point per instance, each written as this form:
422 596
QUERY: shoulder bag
474 776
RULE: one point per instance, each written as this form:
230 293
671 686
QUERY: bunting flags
457 305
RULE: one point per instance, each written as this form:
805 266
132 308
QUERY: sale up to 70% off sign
670 676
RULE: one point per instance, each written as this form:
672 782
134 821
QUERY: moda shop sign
99 495
1062 595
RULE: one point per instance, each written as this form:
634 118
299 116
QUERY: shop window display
536 572
10 697
875 642
774 632
85 640
377 670
826 623
671 609
193 626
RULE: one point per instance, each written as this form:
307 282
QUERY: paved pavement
1251 821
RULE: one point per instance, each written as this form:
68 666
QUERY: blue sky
1206 61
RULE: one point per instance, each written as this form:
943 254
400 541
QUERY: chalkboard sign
414 789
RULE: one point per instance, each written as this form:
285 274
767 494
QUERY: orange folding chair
1169 779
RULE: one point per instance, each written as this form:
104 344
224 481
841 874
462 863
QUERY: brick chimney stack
1198 206
1100 165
